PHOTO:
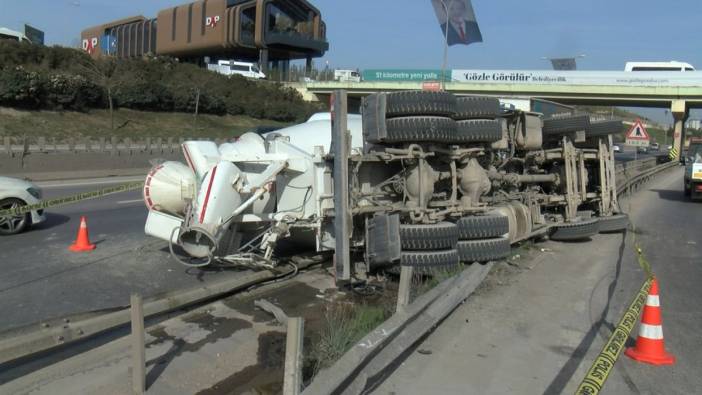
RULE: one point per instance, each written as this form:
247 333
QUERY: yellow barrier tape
602 366
604 362
72 199
643 262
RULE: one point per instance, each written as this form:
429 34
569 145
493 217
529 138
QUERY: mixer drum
169 187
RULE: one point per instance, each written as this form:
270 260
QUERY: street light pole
445 64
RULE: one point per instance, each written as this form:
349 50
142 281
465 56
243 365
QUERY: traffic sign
637 135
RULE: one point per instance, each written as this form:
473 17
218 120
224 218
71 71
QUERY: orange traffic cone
82 242
650 347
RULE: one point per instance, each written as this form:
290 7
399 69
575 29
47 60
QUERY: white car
16 193
616 148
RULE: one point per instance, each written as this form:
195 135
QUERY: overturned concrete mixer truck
421 179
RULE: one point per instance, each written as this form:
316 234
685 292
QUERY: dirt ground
128 123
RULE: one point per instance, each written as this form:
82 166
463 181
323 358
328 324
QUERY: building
8 34
694 124
270 32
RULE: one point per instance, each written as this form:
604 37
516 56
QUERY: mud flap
383 240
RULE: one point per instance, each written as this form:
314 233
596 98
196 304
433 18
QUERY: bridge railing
633 173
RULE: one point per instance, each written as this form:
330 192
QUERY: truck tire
441 236
478 131
614 223
409 103
483 250
482 226
569 124
427 261
576 230
418 129
476 107
603 128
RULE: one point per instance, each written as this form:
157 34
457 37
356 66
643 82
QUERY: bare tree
102 72
197 106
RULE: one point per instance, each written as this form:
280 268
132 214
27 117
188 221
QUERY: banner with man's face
457 21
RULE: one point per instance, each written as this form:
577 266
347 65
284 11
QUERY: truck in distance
347 76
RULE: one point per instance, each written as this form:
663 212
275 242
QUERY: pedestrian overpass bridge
607 95
679 99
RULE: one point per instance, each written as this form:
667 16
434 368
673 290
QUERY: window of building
232 3
288 18
248 25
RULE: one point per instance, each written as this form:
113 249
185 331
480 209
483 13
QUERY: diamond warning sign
638 135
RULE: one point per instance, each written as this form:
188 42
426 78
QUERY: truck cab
693 169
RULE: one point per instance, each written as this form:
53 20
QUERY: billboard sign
457 21
563 63
418 75
212 21
34 35
547 77
90 45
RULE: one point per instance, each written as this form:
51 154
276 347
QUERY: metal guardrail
24 145
639 172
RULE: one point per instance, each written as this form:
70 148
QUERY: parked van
658 66
231 67
347 76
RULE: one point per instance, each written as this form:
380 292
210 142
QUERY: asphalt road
41 279
633 155
537 324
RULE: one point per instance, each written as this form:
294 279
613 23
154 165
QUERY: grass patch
344 325
128 123
422 283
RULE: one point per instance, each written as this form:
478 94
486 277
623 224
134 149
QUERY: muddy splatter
264 378
296 300
218 327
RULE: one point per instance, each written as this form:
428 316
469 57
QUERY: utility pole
445 64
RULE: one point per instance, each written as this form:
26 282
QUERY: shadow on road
566 373
672 194
52 220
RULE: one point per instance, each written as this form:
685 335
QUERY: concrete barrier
67 165
39 159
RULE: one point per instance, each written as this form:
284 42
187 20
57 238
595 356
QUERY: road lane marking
130 201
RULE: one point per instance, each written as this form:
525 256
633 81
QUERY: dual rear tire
440 117
445 245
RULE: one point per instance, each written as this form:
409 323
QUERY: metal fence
24 145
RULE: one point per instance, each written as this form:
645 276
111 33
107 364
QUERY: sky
367 34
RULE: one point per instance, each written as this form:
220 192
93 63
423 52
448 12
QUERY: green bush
21 88
70 91
65 78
